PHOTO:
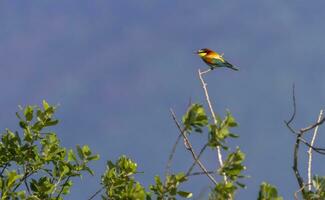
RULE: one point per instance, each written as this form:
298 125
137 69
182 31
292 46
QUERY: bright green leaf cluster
318 184
33 165
220 131
233 166
223 191
268 192
169 189
195 117
119 183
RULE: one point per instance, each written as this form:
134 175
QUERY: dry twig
204 86
299 139
200 154
171 155
310 150
300 189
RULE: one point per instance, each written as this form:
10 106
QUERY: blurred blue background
116 67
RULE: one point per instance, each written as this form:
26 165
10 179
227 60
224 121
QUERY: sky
115 68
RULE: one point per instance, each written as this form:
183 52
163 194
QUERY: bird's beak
195 52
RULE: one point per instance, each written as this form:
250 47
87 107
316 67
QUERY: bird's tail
227 64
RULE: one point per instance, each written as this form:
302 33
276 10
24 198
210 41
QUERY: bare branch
171 155
205 71
299 139
190 148
310 150
200 173
296 147
295 162
316 149
96 193
321 121
204 86
200 154
294 105
62 187
4 168
300 189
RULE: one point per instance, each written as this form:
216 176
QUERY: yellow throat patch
202 54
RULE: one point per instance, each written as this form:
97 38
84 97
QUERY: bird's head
203 52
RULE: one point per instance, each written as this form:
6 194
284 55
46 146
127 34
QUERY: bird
214 60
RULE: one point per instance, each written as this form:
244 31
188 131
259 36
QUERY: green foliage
318 184
195 117
223 191
233 166
33 165
268 192
119 183
220 131
169 190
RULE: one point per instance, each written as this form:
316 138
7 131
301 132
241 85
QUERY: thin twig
295 162
171 155
62 187
200 154
4 167
294 105
299 139
303 130
26 175
204 85
310 150
27 187
200 173
316 149
96 193
190 148
205 71
300 189
296 147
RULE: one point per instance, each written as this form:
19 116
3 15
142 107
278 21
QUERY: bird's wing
231 66
218 61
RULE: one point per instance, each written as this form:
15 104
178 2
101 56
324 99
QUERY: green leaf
86 150
80 152
233 165
12 177
318 183
51 123
28 112
95 157
222 191
23 124
268 192
71 156
91 172
119 182
185 194
45 105
195 117
230 120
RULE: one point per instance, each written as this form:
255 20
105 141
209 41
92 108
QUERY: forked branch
299 138
190 148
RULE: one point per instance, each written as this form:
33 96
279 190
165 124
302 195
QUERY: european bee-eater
213 59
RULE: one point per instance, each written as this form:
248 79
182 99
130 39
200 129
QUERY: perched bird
213 59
